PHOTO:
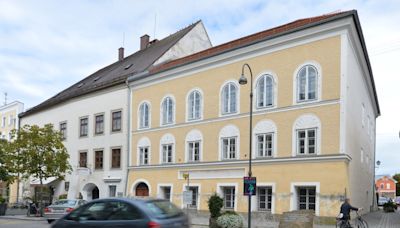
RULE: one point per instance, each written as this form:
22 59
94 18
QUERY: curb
23 218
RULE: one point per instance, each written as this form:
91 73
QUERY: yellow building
8 122
314 112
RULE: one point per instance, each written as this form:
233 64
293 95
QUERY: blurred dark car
397 200
382 200
60 208
123 212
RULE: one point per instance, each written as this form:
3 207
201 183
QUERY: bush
389 207
2 200
230 219
62 196
215 204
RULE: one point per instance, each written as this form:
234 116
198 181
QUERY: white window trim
138 181
199 192
138 115
293 194
167 139
228 131
159 186
173 110
221 105
201 105
143 142
306 121
265 127
254 200
274 91
319 81
194 136
220 192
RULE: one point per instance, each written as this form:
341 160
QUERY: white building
93 116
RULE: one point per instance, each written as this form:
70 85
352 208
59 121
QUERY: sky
46 46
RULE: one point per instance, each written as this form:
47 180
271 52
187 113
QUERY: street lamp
243 81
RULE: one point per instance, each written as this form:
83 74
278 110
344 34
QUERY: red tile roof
247 40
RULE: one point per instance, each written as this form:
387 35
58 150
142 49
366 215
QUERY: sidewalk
380 219
23 217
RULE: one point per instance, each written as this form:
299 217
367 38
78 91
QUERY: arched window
144 115
265 91
265 139
143 151
307 83
306 135
194 105
167 110
194 144
167 149
229 142
229 98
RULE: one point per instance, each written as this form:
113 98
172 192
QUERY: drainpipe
128 138
18 127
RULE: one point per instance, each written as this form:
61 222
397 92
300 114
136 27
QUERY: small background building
386 186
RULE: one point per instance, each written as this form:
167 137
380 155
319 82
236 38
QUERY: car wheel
49 221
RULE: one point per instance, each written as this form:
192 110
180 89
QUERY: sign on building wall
250 185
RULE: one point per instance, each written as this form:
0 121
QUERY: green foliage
62 196
390 207
215 204
398 189
2 200
230 220
397 177
8 173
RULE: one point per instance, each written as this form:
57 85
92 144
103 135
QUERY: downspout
18 127
128 138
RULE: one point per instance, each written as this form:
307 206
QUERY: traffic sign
250 186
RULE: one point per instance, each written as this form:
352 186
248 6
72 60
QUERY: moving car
397 200
382 200
60 208
124 212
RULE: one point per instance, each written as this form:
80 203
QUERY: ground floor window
166 192
112 190
306 198
195 196
264 197
229 197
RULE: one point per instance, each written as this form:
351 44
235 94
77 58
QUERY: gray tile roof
114 74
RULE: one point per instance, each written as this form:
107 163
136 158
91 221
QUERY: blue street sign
249 186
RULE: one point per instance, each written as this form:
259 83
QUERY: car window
65 203
123 211
95 211
163 209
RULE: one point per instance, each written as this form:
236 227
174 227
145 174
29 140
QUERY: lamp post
243 81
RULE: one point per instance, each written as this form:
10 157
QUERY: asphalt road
14 223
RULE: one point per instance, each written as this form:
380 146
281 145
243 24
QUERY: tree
7 168
39 152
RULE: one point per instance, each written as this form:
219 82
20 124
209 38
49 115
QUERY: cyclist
345 211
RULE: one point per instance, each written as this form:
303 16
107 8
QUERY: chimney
144 41
120 53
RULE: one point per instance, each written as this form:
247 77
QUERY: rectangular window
143 155
63 130
194 151
83 159
195 196
116 121
98 159
388 186
229 148
166 192
99 124
306 141
167 153
229 197
264 145
306 198
83 129
3 124
10 120
264 196
112 190
116 158
66 186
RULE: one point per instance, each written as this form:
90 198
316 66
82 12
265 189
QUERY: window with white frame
229 197
306 198
307 83
195 196
167 153
194 105
167 111
10 120
165 192
229 98
3 124
229 148
144 155
112 190
194 151
265 91
306 141
144 115
265 144
63 130
264 198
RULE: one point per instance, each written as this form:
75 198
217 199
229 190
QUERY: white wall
99 102
357 137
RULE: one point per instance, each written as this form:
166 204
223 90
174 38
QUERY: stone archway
90 192
142 190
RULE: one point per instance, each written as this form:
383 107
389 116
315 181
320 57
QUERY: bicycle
359 222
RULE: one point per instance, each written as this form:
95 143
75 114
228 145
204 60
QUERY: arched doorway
95 193
142 190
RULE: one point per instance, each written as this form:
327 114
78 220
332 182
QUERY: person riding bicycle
345 210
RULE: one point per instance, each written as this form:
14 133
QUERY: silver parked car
60 208
123 212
